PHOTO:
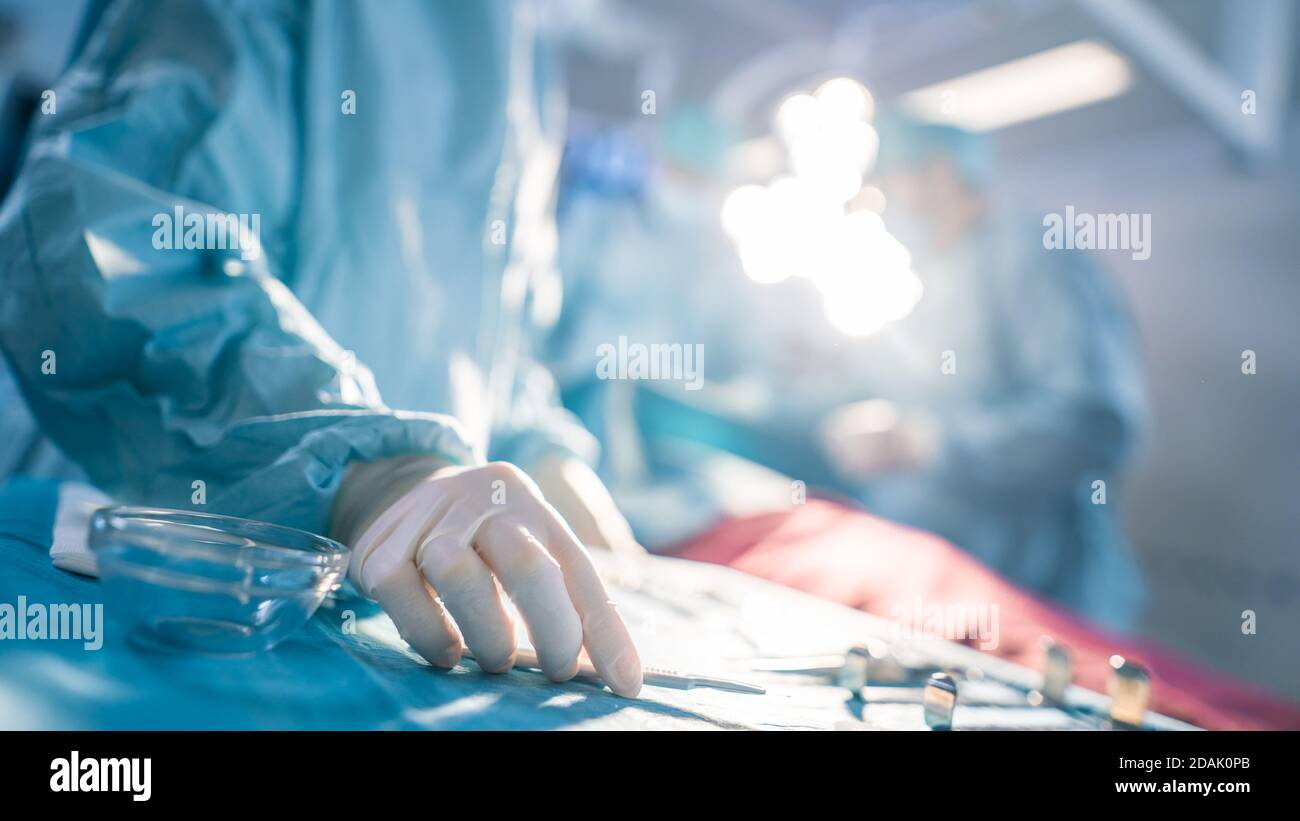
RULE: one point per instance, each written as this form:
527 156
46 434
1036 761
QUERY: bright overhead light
797 224
1059 79
847 97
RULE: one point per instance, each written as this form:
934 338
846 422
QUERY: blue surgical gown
399 157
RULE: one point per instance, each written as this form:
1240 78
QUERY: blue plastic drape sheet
348 669
323 677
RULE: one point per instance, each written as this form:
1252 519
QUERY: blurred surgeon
996 414
644 260
352 361
999 413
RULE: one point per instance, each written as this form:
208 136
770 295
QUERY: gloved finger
420 618
581 518
617 535
608 642
388 543
536 585
466 587
375 535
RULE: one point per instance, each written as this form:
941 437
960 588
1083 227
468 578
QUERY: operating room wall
1211 503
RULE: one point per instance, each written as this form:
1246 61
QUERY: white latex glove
436 557
873 437
582 499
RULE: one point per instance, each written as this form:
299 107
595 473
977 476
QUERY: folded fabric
70 550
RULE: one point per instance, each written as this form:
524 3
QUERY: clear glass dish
217 584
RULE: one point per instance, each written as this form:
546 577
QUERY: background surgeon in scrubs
987 415
1011 396
352 369
643 258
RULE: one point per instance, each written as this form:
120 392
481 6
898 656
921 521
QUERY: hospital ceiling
711 49
698 48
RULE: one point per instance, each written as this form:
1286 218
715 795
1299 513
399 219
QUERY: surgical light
799 223
847 98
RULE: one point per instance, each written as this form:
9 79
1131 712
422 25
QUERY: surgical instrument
526 658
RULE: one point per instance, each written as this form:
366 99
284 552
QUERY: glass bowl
216 584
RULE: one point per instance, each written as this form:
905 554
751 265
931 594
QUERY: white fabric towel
70 550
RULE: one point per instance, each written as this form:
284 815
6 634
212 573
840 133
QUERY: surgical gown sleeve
175 376
534 423
1075 400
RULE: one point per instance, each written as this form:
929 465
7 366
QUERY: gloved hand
583 500
872 437
434 556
